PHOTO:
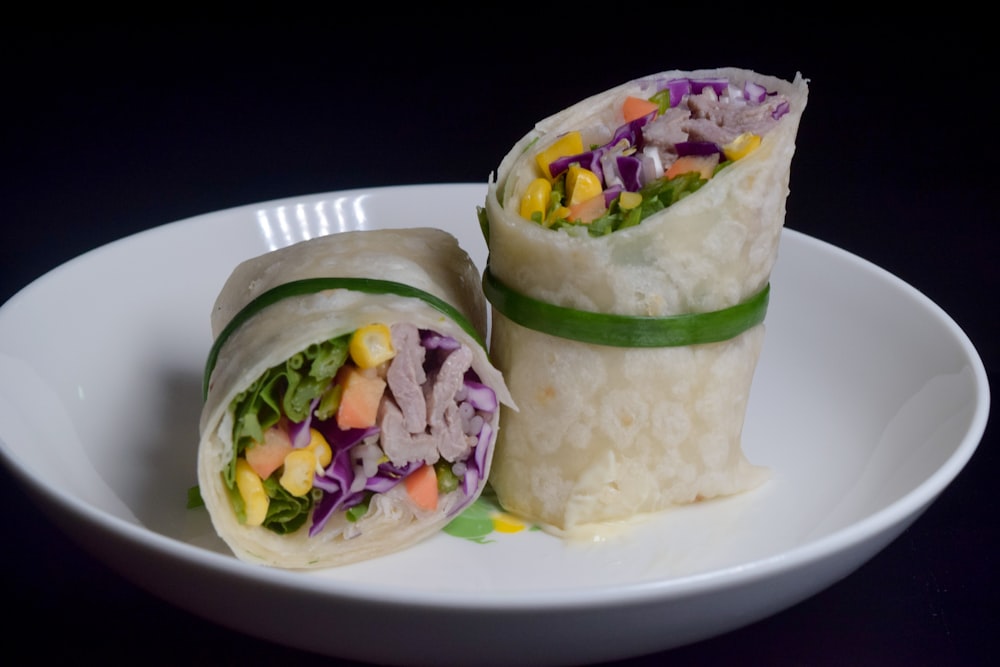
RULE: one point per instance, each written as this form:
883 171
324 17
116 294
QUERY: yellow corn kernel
741 146
299 470
560 213
320 449
506 523
629 200
536 198
371 345
570 143
251 489
581 185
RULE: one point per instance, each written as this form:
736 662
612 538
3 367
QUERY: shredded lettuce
285 513
286 389
656 196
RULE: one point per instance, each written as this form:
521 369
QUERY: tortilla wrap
605 432
383 271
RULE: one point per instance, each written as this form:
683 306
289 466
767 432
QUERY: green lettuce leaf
286 389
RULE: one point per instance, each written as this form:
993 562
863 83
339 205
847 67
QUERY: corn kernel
561 213
320 449
371 345
629 200
297 476
570 143
741 146
536 198
506 523
581 185
251 489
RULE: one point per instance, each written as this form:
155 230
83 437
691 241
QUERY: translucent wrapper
425 261
603 432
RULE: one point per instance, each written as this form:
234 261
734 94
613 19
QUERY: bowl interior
867 401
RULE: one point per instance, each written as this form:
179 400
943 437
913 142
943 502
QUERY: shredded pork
422 420
706 117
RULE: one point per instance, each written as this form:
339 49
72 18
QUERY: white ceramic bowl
867 402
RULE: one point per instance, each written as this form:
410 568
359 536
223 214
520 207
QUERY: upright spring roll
350 406
631 242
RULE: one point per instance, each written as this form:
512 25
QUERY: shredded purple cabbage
476 466
298 432
588 160
678 89
436 341
611 193
480 396
630 169
696 148
630 132
338 477
754 92
780 110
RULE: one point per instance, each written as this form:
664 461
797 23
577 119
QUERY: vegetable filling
355 416
668 147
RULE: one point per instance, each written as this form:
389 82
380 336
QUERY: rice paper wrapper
427 259
609 433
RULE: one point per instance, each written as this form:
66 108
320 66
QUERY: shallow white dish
867 402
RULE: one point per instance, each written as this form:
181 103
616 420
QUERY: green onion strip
625 330
314 285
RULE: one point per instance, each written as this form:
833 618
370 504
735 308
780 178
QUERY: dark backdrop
110 130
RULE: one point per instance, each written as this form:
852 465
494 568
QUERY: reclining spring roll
631 241
350 406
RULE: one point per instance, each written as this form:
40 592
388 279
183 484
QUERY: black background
110 130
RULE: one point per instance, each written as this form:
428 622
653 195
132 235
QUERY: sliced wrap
629 340
361 356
